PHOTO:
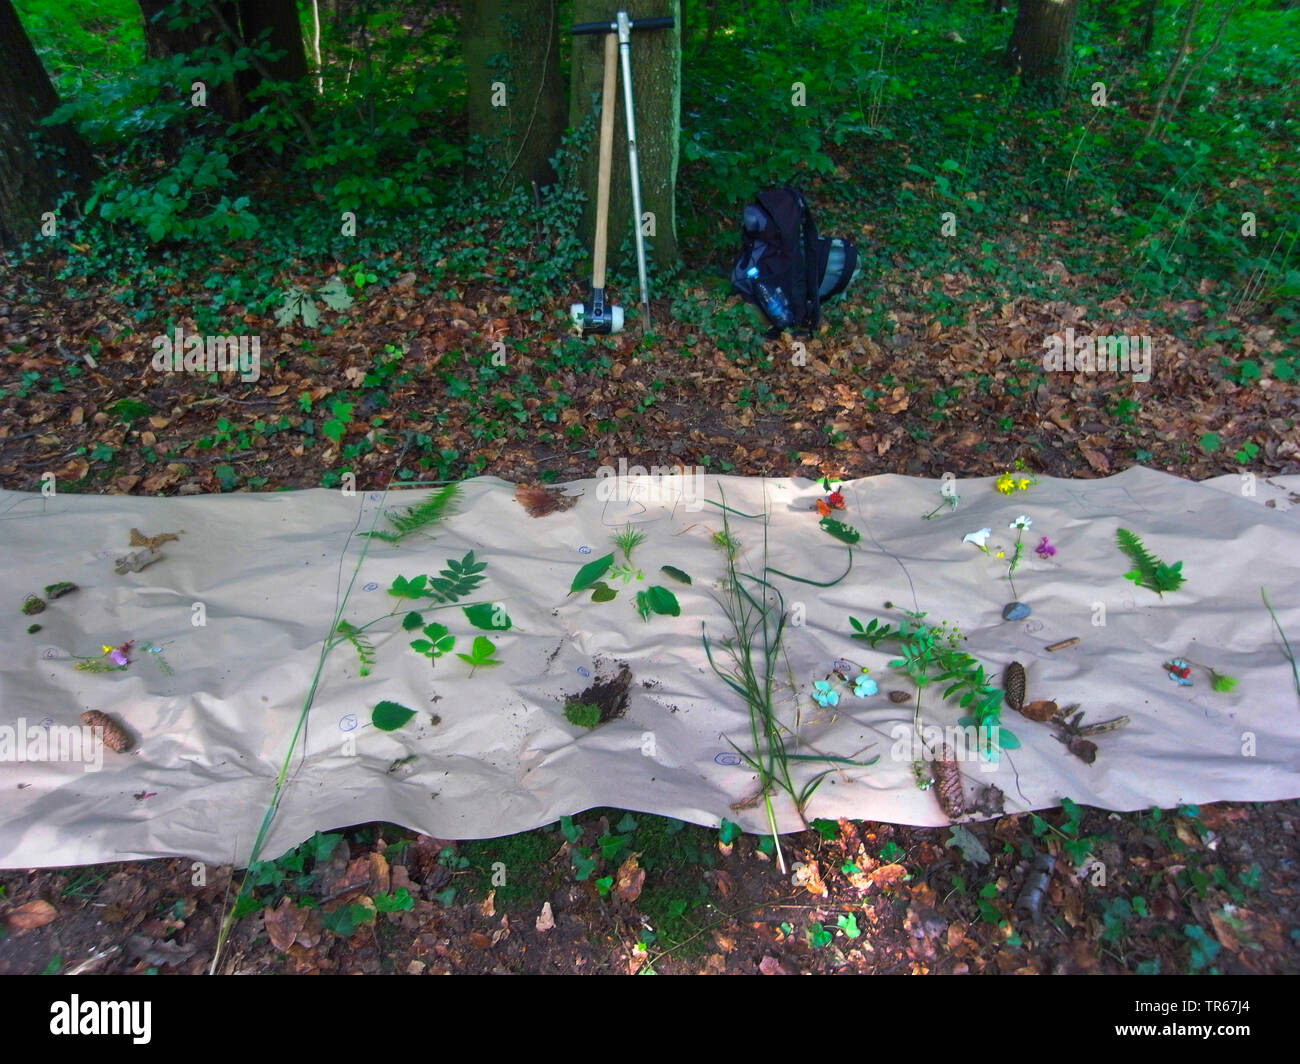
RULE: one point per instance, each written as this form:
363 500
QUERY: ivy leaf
389 716
602 592
971 847
488 616
675 573
590 573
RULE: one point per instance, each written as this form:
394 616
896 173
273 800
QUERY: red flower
836 500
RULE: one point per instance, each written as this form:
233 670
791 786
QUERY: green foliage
300 304
656 599
487 615
590 573
420 517
389 716
436 642
841 531
582 714
364 648
627 540
459 579
932 654
481 651
1148 571
675 573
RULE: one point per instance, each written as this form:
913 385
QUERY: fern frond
364 648
419 517
1149 571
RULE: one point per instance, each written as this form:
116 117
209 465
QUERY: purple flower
120 658
1045 549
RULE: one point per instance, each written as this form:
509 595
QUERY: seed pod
899 697
947 779
115 737
1013 684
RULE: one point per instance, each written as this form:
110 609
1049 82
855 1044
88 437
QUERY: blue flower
864 686
825 694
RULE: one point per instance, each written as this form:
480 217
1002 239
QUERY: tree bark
37 163
516 95
280 17
1039 48
162 40
656 57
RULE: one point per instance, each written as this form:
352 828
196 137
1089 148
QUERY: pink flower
1045 549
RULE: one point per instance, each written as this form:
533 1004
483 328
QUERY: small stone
1015 611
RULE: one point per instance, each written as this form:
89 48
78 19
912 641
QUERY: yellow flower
1005 484
108 650
1001 554
1023 483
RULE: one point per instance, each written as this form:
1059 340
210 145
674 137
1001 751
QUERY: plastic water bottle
773 300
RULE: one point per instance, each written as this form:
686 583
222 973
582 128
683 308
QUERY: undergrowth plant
757 623
1148 571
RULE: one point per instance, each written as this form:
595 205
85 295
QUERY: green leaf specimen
364 648
1148 571
583 714
844 533
459 579
488 616
480 652
659 600
419 517
389 716
675 573
436 643
602 592
590 573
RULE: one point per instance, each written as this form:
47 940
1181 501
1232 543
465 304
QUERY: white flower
979 538
1021 522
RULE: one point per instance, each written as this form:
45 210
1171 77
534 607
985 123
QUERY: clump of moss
583 714
32 629
63 587
34 604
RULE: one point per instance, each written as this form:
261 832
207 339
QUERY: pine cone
115 736
1013 684
947 780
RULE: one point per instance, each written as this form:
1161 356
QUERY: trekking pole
623 26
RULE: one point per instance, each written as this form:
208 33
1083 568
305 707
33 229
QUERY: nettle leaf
490 616
602 592
389 716
590 573
675 573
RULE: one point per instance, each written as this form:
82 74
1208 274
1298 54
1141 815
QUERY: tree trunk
1039 48
280 17
1148 16
162 41
37 163
516 96
656 57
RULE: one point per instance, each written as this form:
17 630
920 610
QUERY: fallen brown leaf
631 878
283 923
1041 710
546 920
31 915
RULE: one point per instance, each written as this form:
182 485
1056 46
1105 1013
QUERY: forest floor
1191 890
